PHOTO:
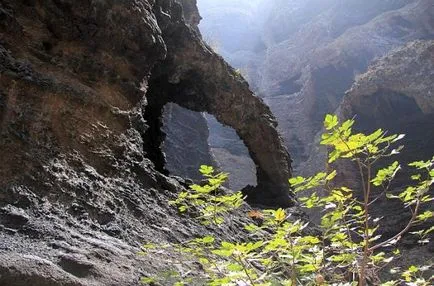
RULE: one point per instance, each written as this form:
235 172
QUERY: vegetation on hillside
345 249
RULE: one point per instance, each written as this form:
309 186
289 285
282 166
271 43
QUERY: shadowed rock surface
186 142
315 50
312 52
82 87
396 93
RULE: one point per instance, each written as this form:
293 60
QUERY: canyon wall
311 52
370 59
83 181
396 94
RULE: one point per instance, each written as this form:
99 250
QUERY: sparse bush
281 250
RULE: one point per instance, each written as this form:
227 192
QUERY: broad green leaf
279 215
208 239
386 174
330 121
223 252
147 280
235 267
296 181
331 176
206 170
420 164
426 215
346 125
307 268
416 177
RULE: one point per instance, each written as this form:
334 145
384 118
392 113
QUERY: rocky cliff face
82 175
312 52
316 50
396 94
304 79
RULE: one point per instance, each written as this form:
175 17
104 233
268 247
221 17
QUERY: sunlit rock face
312 52
306 76
316 50
83 181
396 94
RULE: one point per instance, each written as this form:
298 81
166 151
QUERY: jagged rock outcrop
180 79
82 86
396 94
313 49
406 72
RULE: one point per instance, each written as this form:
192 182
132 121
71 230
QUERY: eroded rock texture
395 93
196 78
186 145
82 86
310 77
308 53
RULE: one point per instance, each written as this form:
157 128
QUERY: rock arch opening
194 138
185 145
234 105
194 77
231 154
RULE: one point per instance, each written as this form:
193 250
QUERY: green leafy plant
207 199
346 248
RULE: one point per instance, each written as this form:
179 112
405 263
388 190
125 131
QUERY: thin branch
245 270
399 235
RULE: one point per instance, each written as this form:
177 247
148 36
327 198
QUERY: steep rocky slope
82 175
304 78
313 50
396 93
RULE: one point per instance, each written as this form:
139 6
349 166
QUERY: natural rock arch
195 77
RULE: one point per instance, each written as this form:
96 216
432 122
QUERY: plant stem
398 235
366 237
240 260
